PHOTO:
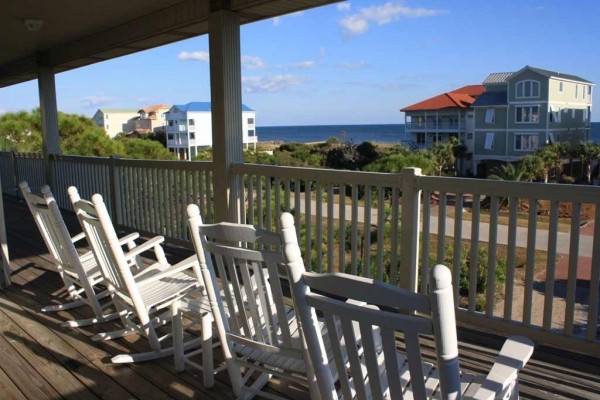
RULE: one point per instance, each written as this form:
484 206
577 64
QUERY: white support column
226 98
49 112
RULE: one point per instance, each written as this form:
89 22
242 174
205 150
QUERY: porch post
226 98
49 113
411 212
4 260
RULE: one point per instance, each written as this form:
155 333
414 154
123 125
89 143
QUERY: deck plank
42 360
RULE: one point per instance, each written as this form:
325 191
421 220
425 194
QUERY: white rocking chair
146 300
365 373
258 332
79 272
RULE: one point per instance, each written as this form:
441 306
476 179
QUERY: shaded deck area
42 360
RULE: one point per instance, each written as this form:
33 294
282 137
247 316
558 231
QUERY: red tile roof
459 98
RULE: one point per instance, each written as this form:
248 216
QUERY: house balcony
446 126
540 271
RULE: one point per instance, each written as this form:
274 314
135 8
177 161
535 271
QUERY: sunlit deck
41 360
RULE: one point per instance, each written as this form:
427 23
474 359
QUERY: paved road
541 243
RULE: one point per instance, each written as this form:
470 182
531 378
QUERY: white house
189 128
116 120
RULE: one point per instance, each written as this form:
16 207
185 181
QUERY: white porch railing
372 224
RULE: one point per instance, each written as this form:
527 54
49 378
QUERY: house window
489 116
170 123
470 136
170 136
192 135
576 91
589 91
106 116
585 114
182 128
250 121
551 138
191 122
528 89
555 114
489 141
560 86
107 127
573 113
526 141
251 132
527 114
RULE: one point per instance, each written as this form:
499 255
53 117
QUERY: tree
146 149
21 131
442 154
552 156
588 152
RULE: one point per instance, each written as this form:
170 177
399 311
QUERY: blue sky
354 62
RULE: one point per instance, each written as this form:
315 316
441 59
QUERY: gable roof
459 98
200 106
553 74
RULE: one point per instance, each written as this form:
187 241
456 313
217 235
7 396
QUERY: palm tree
588 152
551 156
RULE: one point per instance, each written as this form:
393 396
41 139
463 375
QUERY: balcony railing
432 126
386 226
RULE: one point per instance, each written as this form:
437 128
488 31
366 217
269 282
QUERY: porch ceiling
78 33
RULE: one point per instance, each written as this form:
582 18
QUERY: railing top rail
534 190
15 154
130 162
319 174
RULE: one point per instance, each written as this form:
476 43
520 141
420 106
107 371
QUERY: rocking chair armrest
147 245
513 356
170 271
129 238
78 237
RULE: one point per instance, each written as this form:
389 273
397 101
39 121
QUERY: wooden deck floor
42 360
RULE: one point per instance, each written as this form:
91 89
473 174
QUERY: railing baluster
572 273
492 251
510 258
474 264
367 232
354 232
530 263
550 266
457 249
591 333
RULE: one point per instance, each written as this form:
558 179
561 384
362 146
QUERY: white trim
489 141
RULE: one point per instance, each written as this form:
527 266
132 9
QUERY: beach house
151 119
524 110
441 117
189 128
116 120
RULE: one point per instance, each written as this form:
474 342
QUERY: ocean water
385 134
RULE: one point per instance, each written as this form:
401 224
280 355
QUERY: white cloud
345 6
95 101
358 23
302 64
275 83
194 55
253 63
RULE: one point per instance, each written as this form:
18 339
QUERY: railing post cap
441 277
72 190
287 220
192 210
97 198
23 184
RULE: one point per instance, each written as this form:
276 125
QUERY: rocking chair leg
75 323
153 355
63 306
